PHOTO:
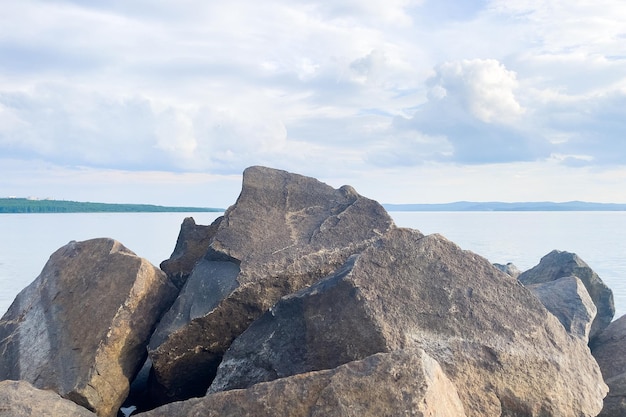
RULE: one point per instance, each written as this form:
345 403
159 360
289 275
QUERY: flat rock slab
402 383
559 264
81 328
21 399
285 232
504 352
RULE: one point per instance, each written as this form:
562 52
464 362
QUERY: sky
409 101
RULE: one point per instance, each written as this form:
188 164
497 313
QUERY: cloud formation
337 90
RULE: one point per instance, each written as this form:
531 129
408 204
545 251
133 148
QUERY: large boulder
504 352
191 246
21 399
559 264
609 349
284 233
81 328
402 383
568 299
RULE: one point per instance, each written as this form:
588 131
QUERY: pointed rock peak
285 232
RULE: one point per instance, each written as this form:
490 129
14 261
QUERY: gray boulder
499 346
81 328
509 269
401 383
284 233
609 349
21 399
191 246
568 299
559 264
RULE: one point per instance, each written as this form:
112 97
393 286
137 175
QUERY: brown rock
21 399
559 264
500 347
402 383
80 329
568 300
609 349
285 232
191 245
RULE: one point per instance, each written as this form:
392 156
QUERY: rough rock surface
21 399
402 383
81 328
192 243
504 352
559 264
609 349
284 233
510 269
568 299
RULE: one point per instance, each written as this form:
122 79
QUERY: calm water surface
599 238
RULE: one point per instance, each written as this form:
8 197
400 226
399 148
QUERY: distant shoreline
499 206
25 205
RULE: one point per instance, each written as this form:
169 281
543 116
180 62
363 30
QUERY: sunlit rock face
504 352
81 327
21 399
400 383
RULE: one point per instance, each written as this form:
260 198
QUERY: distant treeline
24 205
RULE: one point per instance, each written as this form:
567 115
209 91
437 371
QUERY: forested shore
26 205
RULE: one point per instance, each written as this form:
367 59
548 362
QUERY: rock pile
304 300
559 264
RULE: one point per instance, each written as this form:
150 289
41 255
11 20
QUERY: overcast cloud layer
410 101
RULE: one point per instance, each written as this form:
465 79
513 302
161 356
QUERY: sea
599 238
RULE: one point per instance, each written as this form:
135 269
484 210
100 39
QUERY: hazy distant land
28 205
499 206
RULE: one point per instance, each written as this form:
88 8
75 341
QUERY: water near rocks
599 238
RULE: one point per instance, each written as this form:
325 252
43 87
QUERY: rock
568 299
402 383
21 399
609 349
284 233
509 269
559 264
192 244
81 328
499 346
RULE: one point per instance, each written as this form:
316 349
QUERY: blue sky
409 101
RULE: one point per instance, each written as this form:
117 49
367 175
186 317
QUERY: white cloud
316 87
484 88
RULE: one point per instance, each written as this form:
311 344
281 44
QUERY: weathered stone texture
285 232
80 329
500 347
21 399
401 383
609 349
559 264
568 300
